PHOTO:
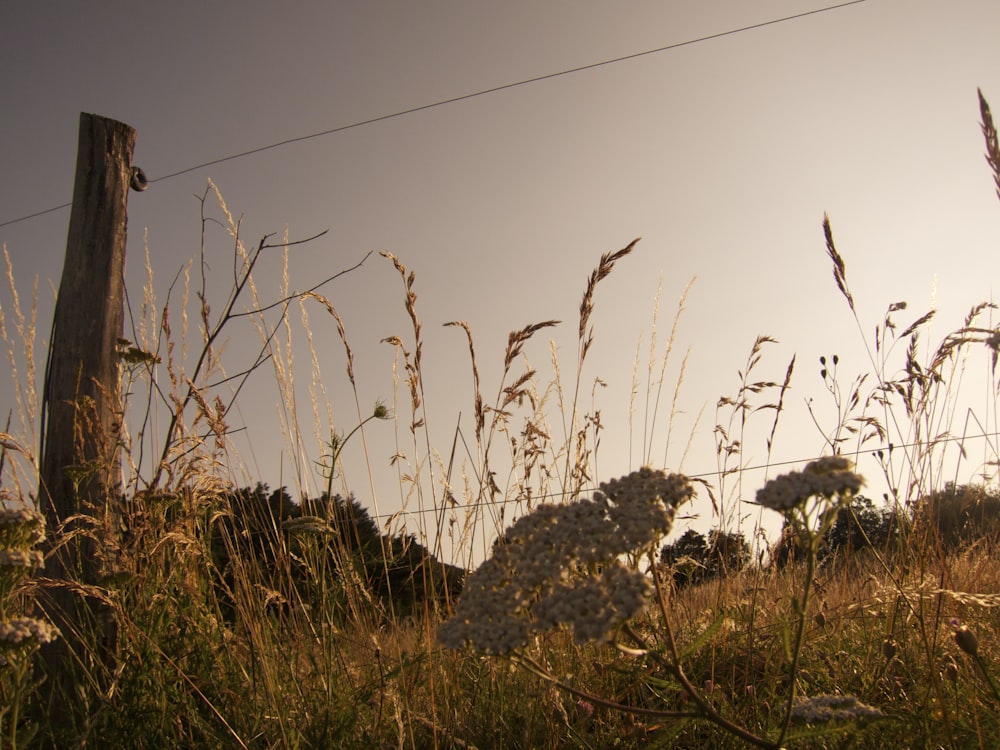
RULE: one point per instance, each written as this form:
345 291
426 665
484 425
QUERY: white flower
824 477
20 558
542 575
826 708
20 527
20 629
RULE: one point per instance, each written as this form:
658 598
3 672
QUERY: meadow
238 616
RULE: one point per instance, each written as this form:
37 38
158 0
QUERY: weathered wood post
80 456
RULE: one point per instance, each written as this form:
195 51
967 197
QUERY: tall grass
237 622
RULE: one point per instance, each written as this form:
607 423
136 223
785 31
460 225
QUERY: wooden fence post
81 411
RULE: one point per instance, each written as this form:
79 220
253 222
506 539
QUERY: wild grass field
238 616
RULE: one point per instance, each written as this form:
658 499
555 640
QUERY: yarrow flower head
557 566
642 504
824 478
19 527
595 605
18 630
21 558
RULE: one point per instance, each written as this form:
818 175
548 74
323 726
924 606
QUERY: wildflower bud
820 619
967 640
951 671
889 648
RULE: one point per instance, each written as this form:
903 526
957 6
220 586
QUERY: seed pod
951 671
967 640
889 648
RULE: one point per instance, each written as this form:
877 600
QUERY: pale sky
723 155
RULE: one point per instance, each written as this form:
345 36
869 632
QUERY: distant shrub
285 546
857 526
693 558
960 515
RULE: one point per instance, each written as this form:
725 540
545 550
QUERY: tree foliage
693 558
858 526
959 515
293 550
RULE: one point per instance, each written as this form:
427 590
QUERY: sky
722 154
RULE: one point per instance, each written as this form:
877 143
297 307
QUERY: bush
294 545
960 515
693 558
857 526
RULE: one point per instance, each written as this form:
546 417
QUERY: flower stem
814 540
705 709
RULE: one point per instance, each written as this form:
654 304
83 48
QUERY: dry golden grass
276 635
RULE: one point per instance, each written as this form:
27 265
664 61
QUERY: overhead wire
703 475
465 97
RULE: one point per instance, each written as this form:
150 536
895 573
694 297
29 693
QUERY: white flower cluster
643 503
826 708
595 605
20 629
19 516
557 566
824 477
20 558
20 527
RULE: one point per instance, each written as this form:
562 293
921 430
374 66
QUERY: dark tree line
960 515
949 520
295 549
